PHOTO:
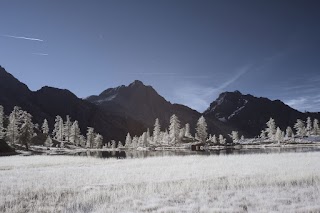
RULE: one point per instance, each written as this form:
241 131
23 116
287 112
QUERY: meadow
287 182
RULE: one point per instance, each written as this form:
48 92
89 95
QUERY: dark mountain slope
249 114
49 102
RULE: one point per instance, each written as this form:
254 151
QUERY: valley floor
288 182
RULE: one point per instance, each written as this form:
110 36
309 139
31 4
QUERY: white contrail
42 54
22 37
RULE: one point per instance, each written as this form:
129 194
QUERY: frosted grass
235 183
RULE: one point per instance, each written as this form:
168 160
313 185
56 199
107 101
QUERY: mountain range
133 108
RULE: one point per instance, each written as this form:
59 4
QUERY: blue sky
189 51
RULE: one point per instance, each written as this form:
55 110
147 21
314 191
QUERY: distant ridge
133 108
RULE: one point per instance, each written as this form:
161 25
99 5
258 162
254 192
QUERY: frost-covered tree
58 129
174 130
234 136
271 129
45 127
187 131
135 141
48 142
67 129
263 135
82 141
143 140
309 126
156 132
26 132
316 129
300 128
242 138
75 133
182 133
222 140
128 142
13 128
279 135
201 129
98 140
113 144
2 130
289 132
120 145
214 139
90 137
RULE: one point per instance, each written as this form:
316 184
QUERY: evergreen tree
316 129
135 141
279 135
214 139
309 126
187 131
128 141
289 132
201 129
113 144
26 132
263 135
182 133
174 129
90 137
13 128
300 128
67 129
45 127
98 140
2 130
58 129
271 129
234 136
48 142
75 133
82 141
222 140
156 132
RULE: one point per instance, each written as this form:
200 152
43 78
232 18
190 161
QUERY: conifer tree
300 128
45 127
2 130
98 141
90 137
187 131
289 132
201 129
128 141
156 132
26 132
58 129
271 129
222 140
75 133
48 142
13 129
316 129
234 136
174 129
67 129
309 126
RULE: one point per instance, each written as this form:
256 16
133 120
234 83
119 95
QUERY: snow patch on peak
237 110
110 98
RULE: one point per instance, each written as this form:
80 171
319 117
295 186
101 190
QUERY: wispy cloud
41 54
199 97
152 73
22 37
305 103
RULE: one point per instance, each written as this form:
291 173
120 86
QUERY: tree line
18 129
